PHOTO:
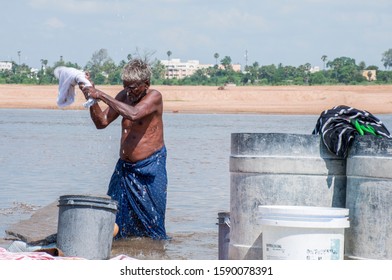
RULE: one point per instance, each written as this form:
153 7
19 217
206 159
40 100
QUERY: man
139 181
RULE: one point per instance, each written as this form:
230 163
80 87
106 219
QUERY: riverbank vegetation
103 70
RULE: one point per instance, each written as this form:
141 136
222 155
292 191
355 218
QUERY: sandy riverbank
206 99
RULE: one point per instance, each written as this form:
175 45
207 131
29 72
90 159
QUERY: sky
291 32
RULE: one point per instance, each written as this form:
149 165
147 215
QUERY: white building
314 69
370 75
176 69
4 65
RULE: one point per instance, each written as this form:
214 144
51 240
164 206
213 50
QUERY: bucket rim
297 210
316 224
89 201
303 216
85 196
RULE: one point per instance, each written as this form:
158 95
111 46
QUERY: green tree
267 73
199 77
99 79
384 77
99 58
317 78
362 65
44 63
305 72
372 67
114 77
41 75
158 71
216 56
387 59
324 58
252 73
108 67
169 53
100 66
345 70
226 63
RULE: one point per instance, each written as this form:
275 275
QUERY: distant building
314 69
176 69
370 75
236 67
4 65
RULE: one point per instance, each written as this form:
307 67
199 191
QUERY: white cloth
34 255
68 78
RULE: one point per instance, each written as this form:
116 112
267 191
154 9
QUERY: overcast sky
291 32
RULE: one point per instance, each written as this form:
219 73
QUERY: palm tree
216 56
324 58
44 62
169 53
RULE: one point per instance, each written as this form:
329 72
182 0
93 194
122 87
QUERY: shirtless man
139 181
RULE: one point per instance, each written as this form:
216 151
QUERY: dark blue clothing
337 127
140 190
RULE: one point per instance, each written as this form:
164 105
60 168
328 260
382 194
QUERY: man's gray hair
136 70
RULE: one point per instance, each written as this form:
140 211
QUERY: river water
48 153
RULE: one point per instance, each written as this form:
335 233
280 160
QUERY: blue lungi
140 189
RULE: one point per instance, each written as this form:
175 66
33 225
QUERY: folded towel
68 78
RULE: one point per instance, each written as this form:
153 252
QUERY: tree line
103 70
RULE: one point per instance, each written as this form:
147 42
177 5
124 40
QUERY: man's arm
100 118
151 102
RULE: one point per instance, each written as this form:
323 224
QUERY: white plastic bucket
303 232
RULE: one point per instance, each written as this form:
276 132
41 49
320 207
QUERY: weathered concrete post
369 199
223 235
273 169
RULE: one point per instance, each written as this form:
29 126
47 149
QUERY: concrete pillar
278 169
369 199
223 235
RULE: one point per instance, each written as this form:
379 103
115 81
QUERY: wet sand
376 99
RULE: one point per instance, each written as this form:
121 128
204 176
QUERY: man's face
134 89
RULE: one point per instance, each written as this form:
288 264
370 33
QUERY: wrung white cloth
68 78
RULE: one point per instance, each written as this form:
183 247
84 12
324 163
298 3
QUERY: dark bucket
85 226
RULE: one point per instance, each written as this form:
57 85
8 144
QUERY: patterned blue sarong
140 189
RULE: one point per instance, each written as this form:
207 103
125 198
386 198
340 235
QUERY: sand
233 99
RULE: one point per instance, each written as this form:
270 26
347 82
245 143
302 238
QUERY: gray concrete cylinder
369 199
278 169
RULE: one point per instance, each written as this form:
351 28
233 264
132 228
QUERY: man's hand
88 77
87 89
90 92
